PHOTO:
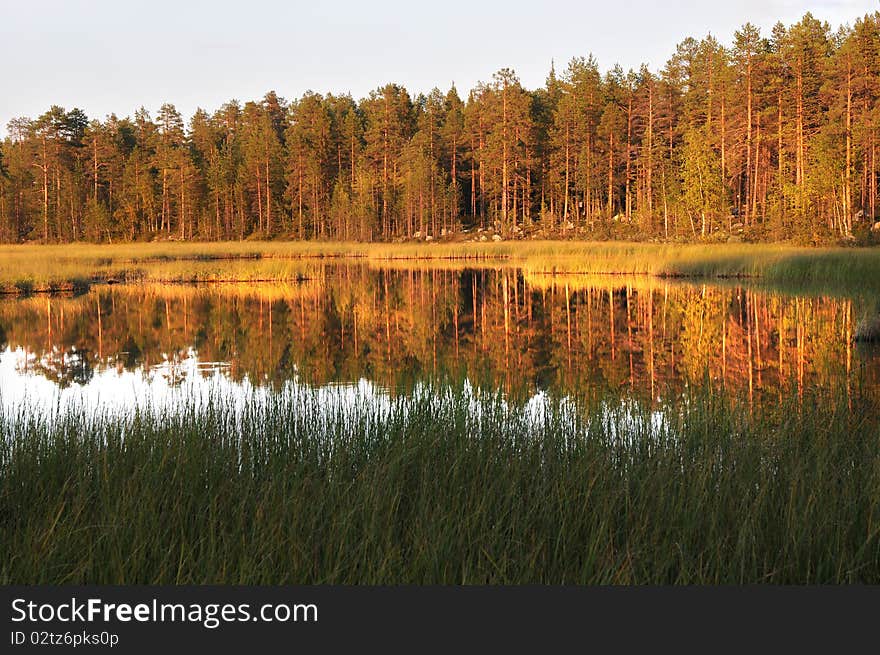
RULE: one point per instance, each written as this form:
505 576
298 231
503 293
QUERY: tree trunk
610 174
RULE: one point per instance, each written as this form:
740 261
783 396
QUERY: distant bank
55 268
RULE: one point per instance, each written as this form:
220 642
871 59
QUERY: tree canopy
773 136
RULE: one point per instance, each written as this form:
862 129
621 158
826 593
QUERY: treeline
773 136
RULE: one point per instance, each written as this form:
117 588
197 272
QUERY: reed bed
30 268
442 485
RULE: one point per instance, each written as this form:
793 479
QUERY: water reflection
393 328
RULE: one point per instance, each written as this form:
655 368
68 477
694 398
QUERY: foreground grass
32 268
437 487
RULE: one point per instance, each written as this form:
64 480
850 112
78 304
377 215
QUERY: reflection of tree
396 326
702 324
64 367
173 371
131 354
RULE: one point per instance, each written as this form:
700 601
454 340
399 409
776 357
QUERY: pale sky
115 55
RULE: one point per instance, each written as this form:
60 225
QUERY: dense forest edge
768 138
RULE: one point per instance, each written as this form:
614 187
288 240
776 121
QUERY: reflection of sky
20 382
25 387
159 386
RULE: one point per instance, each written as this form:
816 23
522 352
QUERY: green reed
441 486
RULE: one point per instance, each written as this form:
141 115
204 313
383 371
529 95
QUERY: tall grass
46 268
438 486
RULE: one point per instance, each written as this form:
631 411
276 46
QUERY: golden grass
27 268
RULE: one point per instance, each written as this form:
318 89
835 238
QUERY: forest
772 137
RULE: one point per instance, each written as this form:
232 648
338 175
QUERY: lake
385 330
438 422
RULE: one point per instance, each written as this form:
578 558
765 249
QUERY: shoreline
30 269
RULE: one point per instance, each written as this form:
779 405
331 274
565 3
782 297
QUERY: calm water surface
378 332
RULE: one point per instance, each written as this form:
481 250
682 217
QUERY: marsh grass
31 268
440 486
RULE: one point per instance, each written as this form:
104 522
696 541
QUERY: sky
114 56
